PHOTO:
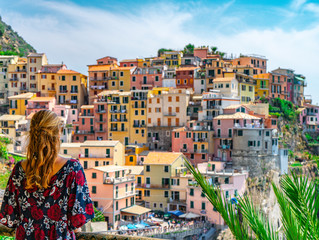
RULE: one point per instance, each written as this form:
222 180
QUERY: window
202 194
191 204
250 88
267 133
94 175
96 163
63 78
169 99
191 192
133 79
218 122
165 168
148 168
177 109
121 74
243 87
240 133
121 83
136 112
113 83
116 205
147 193
93 189
226 180
131 158
166 194
156 78
203 206
176 134
65 151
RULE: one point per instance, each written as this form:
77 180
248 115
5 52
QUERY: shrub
98 216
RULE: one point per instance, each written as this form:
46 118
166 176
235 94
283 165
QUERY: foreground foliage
296 196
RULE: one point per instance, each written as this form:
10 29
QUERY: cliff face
11 43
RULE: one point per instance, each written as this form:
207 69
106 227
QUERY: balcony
97 87
225 146
37 106
72 101
63 91
51 89
101 121
200 151
249 126
139 125
138 98
263 87
119 130
156 186
222 136
84 132
100 130
99 78
176 201
109 180
169 114
100 111
21 70
74 91
118 111
208 118
22 129
23 88
14 79
200 139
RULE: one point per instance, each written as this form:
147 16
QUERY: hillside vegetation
11 43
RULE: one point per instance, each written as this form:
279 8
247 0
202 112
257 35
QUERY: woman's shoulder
75 165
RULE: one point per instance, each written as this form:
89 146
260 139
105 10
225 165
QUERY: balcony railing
84 132
74 91
23 89
200 139
169 114
100 111
200 151
99 78
63 91
21 70
36 106
110 180
100 130
118 111
156 186
97 87
225 146
139 125
14 79
119 130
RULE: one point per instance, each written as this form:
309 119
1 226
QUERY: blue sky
78 32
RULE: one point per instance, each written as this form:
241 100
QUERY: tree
296 196
189 49
98 216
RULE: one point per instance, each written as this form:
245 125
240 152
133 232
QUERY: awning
136 210
176 213
299 78
189 215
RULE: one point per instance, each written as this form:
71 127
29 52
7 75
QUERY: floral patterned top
51 213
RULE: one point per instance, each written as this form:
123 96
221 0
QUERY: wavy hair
42 149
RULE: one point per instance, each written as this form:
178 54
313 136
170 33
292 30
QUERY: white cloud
79 35
296 4
312 7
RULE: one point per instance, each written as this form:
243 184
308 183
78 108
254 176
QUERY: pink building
113 193
146 78
40 103
106 61
129 63
258 64
195 141
84 128
309 117
230 181
201 52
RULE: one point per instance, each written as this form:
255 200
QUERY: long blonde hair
42 149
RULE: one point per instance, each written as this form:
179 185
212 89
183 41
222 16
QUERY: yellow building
138 116
262 85
172 58
18 103
118 115
17 75
4 81
246 88
47 79
138 173
71 88
159 169
10 128
124 78
132 153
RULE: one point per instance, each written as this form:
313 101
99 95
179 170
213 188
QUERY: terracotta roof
226 79
67 71
237 115
161 158
136 170
136 210
93 68
71 145
22 96
107 57
42 99
87 106
129 60
234 106
99 143
186 68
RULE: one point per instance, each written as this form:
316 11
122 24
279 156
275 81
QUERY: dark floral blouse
51 213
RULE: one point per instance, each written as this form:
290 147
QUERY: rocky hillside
11 43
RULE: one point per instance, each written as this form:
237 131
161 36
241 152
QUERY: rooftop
71 145
136 210
226 79
87 106
67 71
42 99
8 117
110 168
22 96
98 143
161 158
237 115
135 170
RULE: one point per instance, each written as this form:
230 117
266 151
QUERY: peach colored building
84 127
185 77
113 193
201 52
146 78
195 141
250 64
